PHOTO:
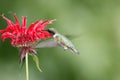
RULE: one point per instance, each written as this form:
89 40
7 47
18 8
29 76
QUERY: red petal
42 24
24 24
16 19
36 25
7 35
10 23
17 27
47 34
1 31
31 28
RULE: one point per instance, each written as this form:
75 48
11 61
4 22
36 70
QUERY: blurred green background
96 23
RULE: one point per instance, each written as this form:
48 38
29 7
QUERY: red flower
23 37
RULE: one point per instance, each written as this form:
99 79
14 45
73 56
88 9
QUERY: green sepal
36 60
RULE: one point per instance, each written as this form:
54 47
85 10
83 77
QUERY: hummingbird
58 40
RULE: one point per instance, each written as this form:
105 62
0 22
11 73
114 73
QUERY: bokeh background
95 29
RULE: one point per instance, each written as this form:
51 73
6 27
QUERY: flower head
23 37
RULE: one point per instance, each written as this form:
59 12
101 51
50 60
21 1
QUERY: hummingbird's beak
50 31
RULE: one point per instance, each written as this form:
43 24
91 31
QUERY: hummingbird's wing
47 44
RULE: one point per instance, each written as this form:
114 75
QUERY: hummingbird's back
65 41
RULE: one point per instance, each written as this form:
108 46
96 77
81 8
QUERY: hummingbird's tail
74 50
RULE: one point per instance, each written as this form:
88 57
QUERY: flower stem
27 70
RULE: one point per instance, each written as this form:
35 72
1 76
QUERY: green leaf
36 60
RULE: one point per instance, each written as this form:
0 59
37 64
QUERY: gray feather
47 44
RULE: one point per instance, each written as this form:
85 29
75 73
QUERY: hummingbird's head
52 31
